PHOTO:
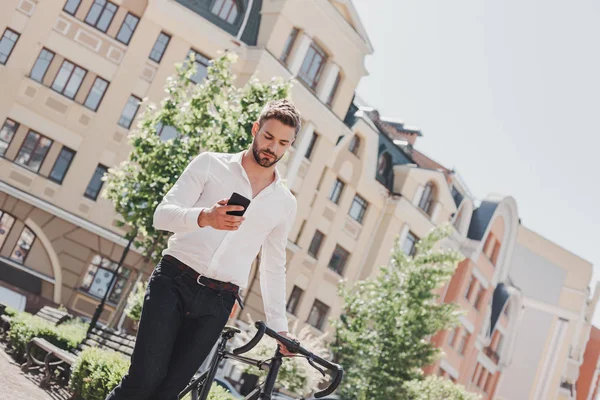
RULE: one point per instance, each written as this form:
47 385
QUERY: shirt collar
237 158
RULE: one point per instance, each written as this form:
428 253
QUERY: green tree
437 388
214 115
382 337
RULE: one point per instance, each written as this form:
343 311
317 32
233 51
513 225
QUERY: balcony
492 355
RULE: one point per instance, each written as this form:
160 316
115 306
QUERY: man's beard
261 159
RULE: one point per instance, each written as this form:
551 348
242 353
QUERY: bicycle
200 386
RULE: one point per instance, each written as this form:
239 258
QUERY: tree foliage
382 337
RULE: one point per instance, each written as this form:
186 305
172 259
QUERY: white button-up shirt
228 255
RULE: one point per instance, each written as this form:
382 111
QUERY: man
193 288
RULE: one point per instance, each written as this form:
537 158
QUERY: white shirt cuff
191 217
279 325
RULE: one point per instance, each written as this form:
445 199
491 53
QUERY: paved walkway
16 385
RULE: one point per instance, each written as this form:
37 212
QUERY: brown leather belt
210 283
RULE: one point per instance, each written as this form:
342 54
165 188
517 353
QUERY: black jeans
181 321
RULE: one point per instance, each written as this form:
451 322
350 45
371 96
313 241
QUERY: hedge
24 327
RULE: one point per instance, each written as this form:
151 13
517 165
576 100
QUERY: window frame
427 198
25 227
363 210
292 308
68 80
137 109
16 128
323 318
334 89
311 146
66 149
321 235
85 193
9 230
76 8
289 45
7 29
313 82
413 249
95 24
41 81
129 13
234 6
204 61
334 191
121 275
344 257
35 147
354 146
162 33
101 97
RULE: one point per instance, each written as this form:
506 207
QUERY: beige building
72 73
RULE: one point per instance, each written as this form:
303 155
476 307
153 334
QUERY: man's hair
283 111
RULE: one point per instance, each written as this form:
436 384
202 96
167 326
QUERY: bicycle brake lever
315 366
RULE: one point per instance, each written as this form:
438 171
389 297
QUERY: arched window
6 223
227 10
426 202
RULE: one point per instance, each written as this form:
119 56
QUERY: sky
507 93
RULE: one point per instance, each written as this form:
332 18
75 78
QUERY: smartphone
237 199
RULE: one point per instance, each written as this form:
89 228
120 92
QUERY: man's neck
254 170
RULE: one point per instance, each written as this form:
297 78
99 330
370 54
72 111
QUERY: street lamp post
100 306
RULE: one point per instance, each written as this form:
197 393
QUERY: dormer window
227 10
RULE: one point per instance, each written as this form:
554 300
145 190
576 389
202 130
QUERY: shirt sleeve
176 212
272 273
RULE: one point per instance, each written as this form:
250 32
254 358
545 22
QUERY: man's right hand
217 217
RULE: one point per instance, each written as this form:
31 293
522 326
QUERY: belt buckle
198 280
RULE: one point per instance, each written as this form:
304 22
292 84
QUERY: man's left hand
282 349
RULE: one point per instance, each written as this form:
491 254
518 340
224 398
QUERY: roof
482 217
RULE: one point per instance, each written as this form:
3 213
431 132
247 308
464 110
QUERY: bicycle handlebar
294 347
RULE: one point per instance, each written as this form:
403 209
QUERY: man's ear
255 128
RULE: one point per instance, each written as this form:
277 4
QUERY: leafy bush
25 327
96 372
437 388
11 312
135 301
216 393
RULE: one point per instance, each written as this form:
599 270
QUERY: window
336 191
311 69
96 94
452 336
358 209
354 145
99 275
476 373
33 151
488 382
68 80
225 9
289 44
101 14
166 132
409 246
61 165
7 44
96 183
158 50
462 343
41 65
318 314
334 89
315 244
129 112
6 223
201 62
127 28
6 135
495 253
23 246
300 232
338 261
71 6
294 300
479 298
426 201
311 145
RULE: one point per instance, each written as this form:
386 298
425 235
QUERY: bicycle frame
200 386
